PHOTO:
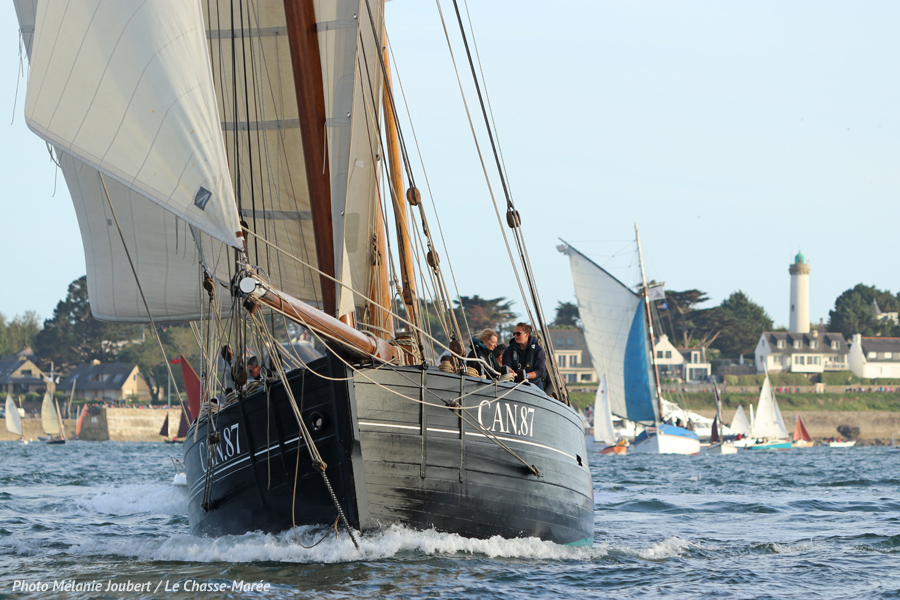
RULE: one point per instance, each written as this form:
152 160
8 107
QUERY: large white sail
13 419
125 86
614 328
768 422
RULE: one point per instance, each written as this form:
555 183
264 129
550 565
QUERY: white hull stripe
473 434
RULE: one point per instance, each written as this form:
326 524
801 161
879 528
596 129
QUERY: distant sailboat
604 431
740 426
802 438
51 421
13 419
839 443
80 422
768 427
618 332
717 444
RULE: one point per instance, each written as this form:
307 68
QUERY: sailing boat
80 422
618 331
51 421
183 426
604 431
13 418
767 428
226 167
740 427
801 438
717 443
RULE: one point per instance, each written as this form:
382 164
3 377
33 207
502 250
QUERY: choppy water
816 523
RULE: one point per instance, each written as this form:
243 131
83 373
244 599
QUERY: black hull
396 454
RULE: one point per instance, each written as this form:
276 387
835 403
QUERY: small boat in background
51 421
604 431
768 427
801 436
839 443
13 418
717 443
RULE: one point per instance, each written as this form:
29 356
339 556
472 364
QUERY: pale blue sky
734 133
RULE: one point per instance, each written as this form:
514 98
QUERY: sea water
102 520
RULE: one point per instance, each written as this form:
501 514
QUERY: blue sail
638 390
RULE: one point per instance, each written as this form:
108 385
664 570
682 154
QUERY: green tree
683 312
485 313
738 323
567 316
73 336
19 333
854 312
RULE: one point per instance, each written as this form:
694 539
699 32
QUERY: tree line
72 336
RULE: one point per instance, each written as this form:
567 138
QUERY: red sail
714 433
800 432
80 420
183 426
192 387
164 430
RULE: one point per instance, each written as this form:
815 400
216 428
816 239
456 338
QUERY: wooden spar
304 43
362 344
393 149
379 309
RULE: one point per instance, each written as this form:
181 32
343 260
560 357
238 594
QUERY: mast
400 214
646 299
301 24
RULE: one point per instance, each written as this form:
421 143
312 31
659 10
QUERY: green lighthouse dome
799 259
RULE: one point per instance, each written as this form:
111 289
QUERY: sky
736 134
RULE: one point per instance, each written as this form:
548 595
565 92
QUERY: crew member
525 356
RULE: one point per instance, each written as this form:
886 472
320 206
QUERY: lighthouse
799 294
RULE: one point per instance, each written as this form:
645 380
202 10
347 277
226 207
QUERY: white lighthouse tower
799 294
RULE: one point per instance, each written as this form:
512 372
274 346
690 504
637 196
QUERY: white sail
25 12
611 315
739 423
49 420
604 431
13 419
768 422
117 84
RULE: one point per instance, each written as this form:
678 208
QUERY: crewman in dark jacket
525 356
483 349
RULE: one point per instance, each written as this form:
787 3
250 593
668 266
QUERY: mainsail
13 419
616 334
49 420
768 422
739 423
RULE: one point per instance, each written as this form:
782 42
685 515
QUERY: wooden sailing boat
248 147
13 418
717 442
801 437
618 331
51 421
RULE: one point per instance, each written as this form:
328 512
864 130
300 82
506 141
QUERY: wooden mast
393 149
379 309
646 299
304 43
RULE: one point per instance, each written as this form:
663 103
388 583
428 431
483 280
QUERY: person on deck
483 354
525 356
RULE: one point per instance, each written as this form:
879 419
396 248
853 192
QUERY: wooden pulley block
413 196
432 259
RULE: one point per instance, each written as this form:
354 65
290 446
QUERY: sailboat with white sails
51 420
240 167
717 442
618 331
604 430
767 427
13 418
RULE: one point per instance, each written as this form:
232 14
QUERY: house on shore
874 357
106 382
685 364
815 351
20 375
572 356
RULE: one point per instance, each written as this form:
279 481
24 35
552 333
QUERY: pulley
413 196
513 219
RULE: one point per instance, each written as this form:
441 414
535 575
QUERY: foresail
768 422
125 86
607 308
639 396
739 423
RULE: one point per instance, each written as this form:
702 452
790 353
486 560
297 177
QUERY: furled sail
616 335
125 86
768 422
13 418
